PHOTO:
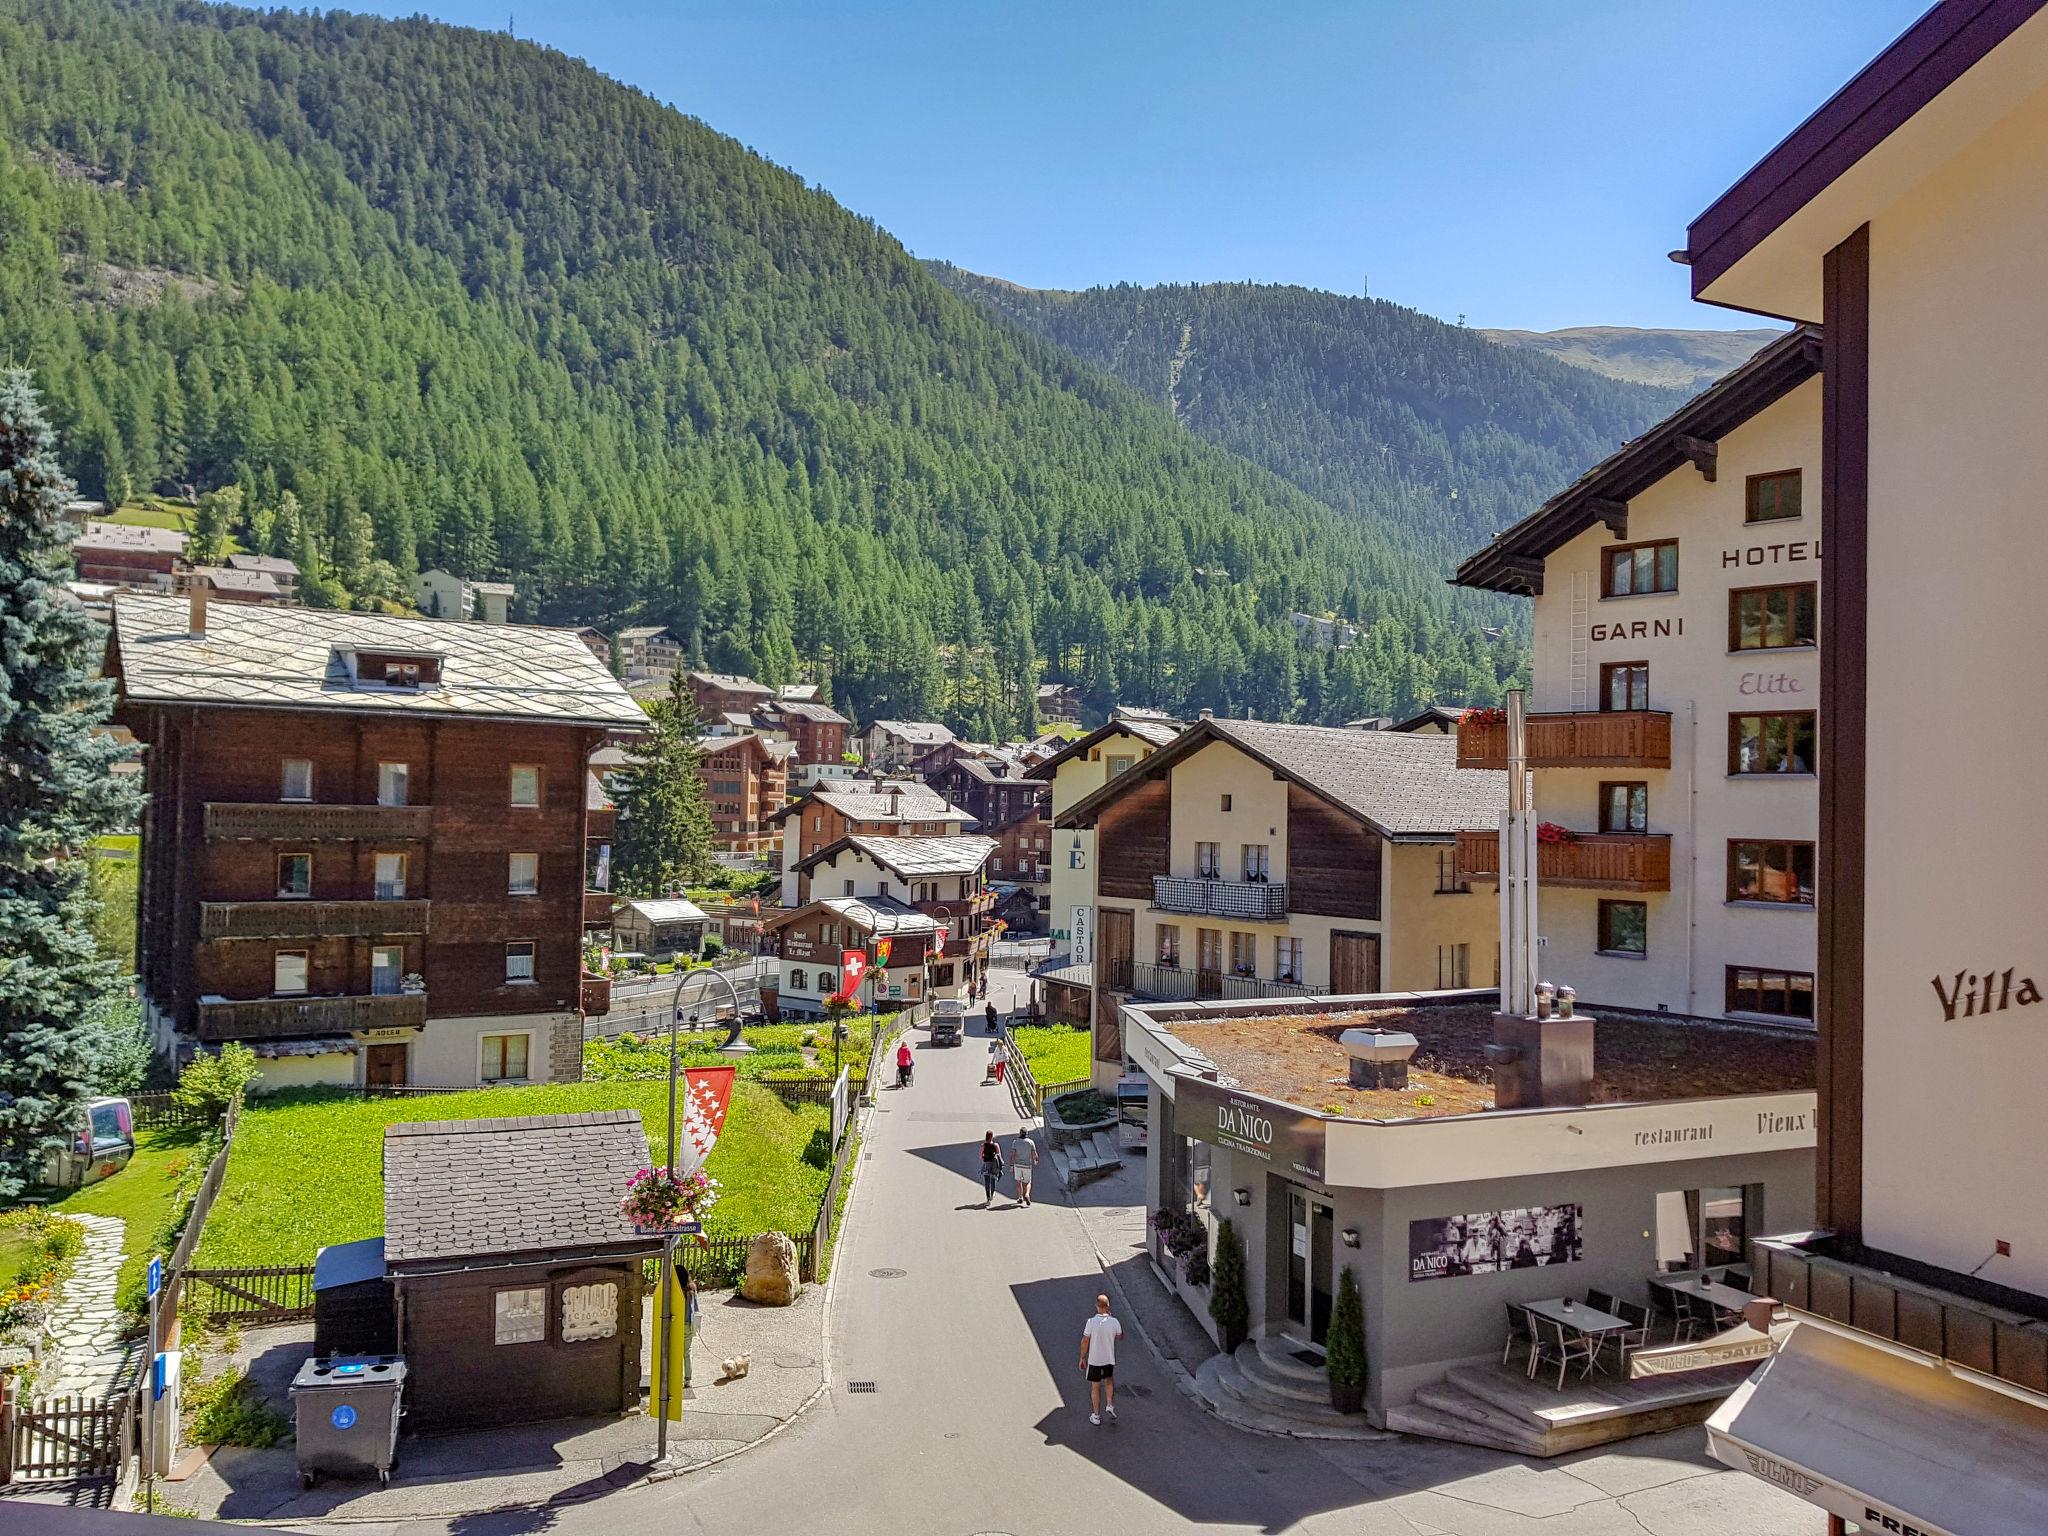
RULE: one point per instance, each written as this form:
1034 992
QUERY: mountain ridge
1669 358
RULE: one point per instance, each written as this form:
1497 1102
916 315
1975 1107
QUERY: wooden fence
1030 1097
63 1437
162 1112
809 1090
280 1293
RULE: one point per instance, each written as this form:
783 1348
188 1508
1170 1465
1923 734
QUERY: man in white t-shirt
1098 1360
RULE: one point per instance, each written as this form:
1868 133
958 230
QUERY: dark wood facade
211 920
1138 826
747 783
1333 860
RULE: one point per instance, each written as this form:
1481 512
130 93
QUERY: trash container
347 1408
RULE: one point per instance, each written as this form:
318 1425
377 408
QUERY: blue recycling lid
352 1368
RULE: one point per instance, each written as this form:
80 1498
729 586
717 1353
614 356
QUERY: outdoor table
1726 1297
1581 1318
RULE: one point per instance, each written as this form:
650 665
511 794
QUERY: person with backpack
991 1167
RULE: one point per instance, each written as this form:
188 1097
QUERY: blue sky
1521 164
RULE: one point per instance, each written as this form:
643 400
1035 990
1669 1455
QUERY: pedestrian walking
690 1313
1023 1163
1098 1360
991 1167
991 1012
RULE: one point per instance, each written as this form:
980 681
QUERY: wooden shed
518 1282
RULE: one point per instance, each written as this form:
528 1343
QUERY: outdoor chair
1664 1309
1521 1331
1600 1301
1694 1313
1637 1335
1554 1344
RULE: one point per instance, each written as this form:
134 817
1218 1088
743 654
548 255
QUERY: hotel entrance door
1310 1281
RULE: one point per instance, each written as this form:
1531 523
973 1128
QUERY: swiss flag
853 965
707 1095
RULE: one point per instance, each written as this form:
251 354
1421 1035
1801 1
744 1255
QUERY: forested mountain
1688 360
1382 412
434 296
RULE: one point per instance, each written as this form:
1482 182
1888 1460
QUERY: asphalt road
966 1320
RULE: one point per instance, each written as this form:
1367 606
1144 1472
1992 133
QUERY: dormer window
394 669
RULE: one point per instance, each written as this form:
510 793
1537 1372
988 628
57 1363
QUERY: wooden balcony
284 1018
1633 738
1255 901
594 995
1598 861
597 909
287 822
310 919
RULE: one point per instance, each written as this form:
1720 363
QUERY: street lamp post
668 1242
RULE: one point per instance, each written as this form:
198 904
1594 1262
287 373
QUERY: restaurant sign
1290 1139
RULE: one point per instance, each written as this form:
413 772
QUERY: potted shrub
1345 1347
1228 1304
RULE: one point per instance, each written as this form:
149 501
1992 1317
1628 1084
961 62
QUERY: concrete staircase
1264 1388
1501 1408
1080 1158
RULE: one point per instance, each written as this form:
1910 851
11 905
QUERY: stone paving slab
88 1356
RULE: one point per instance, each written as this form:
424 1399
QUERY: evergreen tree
57 794
212 523
664 838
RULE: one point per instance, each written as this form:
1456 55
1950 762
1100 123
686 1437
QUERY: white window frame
512 786
383 889
483 1042
393 781
513 884
277 959
284 781
532 963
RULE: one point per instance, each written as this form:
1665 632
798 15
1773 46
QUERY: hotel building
1673 718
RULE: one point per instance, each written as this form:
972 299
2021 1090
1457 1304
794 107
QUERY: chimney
1379 1057
1207 714
1541 1063
197 586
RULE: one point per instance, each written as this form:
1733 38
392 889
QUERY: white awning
1890 1439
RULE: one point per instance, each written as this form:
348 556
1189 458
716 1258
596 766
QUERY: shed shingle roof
898 802
286 658
916 857
457 1189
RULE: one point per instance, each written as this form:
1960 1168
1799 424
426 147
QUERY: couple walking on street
1023 1164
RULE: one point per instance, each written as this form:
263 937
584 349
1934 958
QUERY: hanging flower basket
657 1201
1550 832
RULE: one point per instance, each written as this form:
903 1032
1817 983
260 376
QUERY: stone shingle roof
732 682
1408 786
131 538
292 658
916 857
808 709
458 1189
669 909
899 802
919 733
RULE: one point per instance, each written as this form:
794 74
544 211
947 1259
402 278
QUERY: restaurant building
1247 859
1673 718
1400 1161
1907 218
366 849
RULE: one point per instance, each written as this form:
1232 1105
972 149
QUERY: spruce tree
664 837
57 794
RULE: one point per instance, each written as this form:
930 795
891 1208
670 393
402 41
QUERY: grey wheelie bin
347 1408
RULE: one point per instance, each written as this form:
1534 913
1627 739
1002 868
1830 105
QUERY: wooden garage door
1354 962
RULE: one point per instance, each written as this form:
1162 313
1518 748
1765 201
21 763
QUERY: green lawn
1054 1052
142 1195
306 1166
778 1051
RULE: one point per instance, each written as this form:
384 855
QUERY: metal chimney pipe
197 587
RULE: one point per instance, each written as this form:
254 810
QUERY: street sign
156 1277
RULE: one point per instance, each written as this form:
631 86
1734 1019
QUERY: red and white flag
707 1095
853 966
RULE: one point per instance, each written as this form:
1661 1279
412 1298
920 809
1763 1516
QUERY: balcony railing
1600 861
1258 901
594 996
1179 984
597 908
310 919
281 1018
283 821
1632 738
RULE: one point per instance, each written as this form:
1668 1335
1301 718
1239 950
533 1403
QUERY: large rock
771 1271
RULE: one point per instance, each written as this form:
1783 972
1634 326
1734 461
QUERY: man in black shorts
1098 1360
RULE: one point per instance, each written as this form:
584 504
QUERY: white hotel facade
1674 704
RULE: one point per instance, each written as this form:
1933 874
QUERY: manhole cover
860 1386
888 1274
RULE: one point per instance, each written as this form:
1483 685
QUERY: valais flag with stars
707 1093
